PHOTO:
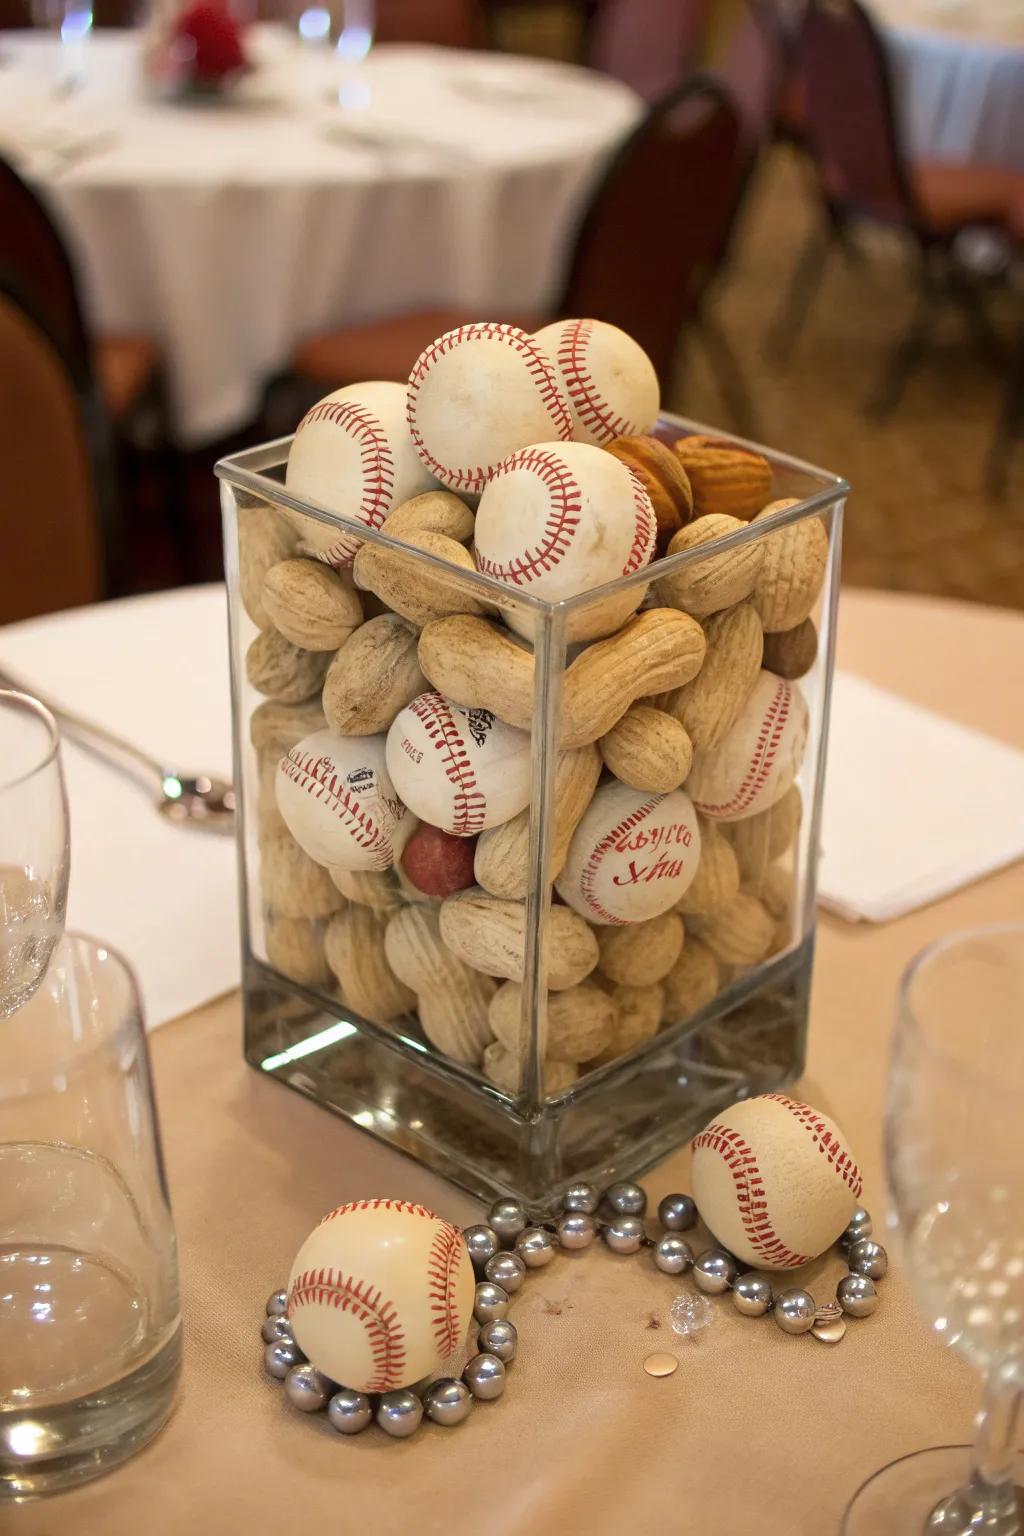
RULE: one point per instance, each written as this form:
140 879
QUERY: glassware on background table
956 1173
90 1334
33 846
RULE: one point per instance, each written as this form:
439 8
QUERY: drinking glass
33 846
955 1159
90 1339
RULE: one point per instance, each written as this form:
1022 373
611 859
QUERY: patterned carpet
919 518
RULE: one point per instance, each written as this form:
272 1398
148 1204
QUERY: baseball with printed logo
754 765
479 393
557 519
339 803
462 770
610 380
775 1181
632 855
352 453
380 1294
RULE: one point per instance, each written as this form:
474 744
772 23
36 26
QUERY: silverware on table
189 800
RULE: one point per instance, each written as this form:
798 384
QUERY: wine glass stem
996 1427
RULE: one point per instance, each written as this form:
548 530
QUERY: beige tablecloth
755 1431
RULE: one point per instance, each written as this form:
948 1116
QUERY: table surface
754 1429
232 230
999 22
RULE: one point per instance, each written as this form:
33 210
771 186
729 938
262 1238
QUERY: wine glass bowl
33 846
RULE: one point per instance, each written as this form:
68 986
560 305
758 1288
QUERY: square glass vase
525 1032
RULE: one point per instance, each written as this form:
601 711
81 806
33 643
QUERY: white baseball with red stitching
557 519
352 453
380 1293
477 394
775 1181
752 767
339 803
632 855
610 380
462 770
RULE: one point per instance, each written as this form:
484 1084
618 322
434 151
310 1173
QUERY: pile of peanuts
662 707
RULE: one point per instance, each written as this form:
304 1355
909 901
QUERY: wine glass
33 846
956 1176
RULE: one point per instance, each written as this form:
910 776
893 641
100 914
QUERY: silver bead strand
575 1230
349 1412
868 1258
482 1243
491 1301
715 1272
498 1338
507 1218
485 1377
447 1401
400 1414
506 1270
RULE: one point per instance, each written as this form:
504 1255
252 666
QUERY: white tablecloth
233 231
958 69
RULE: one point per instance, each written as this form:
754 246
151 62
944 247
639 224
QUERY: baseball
610 380
632 855
352 453
752 767
339 803
476 395
561 518
380 1293
462 770
775 1181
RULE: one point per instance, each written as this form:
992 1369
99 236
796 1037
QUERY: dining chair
644 258
446 23
864 176
51 489
650 45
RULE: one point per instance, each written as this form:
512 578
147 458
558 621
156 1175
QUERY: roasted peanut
716 581
374 675
281 670
452 998
265 537
502 862
579 1022
792 571
692 982
725 477
490 935
356 953
648 749
708 706
409 586
311 605
718 874
641 953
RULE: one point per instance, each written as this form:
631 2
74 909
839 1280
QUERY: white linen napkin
155 670
916 806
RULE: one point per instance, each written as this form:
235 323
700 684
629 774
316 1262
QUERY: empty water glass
90 1332
33 846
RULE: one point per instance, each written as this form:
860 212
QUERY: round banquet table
233 230
958 68
755 1431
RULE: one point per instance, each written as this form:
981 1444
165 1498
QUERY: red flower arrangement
199 52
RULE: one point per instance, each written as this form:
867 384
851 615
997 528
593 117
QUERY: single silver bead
856 1294
673 1254
447 1401
576 1229
485 1377
535 1247
307 1388
858 1226
482 1244
624 1234
280 1356
581 1197
714 1271
498 1338
350 1412
490 1302
626 1199
794 1311
277 1304
506 1270
751 1295
868 1258
507 1218
677 1213
275 1328
400 1414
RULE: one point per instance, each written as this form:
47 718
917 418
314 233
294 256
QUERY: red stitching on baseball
329 1287
377 467
591 407
645 527
404 1206
765 751
593 864
565 504
469 804
447 1254
538 365
825 1140
312 775
748 1185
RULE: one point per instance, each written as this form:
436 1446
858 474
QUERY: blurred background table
958 68
455 178
252 1167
